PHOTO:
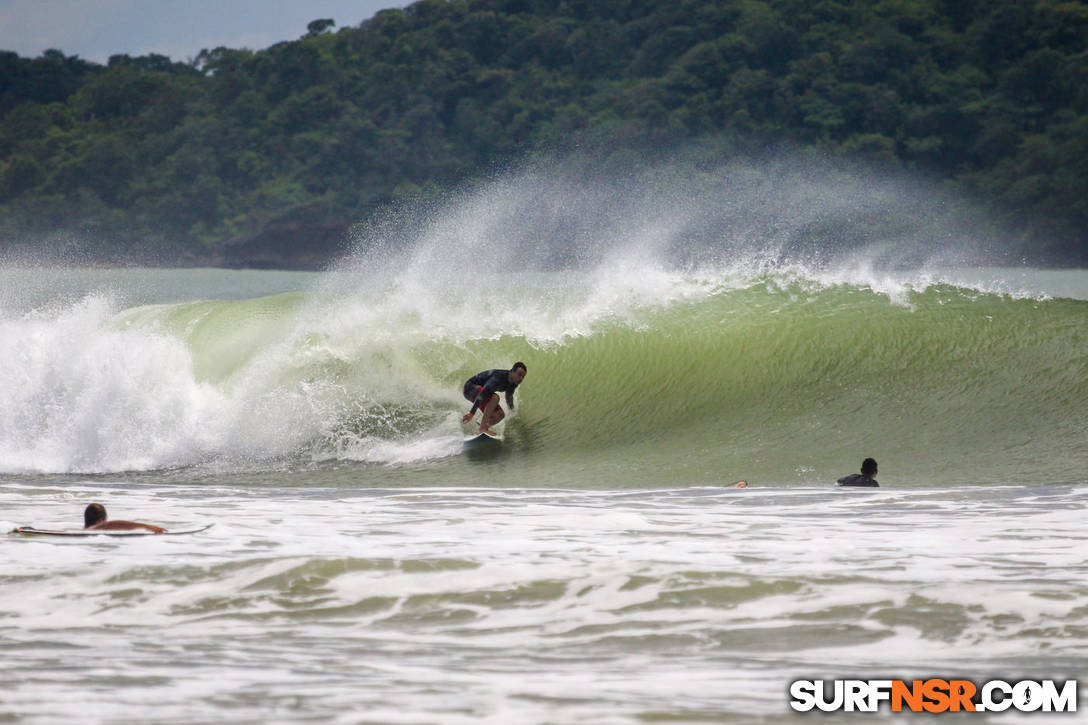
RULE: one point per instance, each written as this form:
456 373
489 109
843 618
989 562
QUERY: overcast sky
96 29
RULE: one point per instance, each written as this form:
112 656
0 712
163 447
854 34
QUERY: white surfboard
482 438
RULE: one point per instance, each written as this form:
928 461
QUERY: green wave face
795 385
776 379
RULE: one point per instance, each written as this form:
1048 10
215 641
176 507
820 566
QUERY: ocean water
598 566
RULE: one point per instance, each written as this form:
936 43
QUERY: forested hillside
267 157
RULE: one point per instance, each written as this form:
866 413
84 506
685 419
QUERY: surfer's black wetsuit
858 479
481 385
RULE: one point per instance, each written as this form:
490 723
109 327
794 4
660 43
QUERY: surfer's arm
510 398
475 406
127 526
483 395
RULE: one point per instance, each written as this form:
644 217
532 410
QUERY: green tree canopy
990 97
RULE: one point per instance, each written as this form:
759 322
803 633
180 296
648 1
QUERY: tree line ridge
265 158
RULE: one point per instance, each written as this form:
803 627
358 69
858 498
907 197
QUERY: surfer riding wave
482 390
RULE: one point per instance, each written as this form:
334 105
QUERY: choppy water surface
515 605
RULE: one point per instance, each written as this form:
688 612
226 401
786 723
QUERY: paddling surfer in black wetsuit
866 478
482 390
